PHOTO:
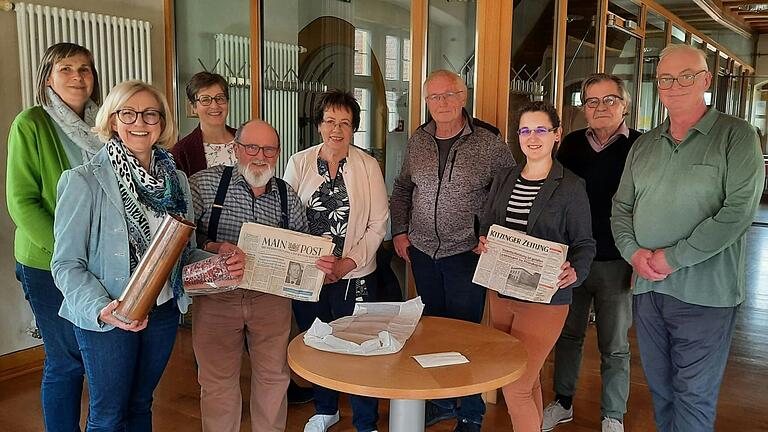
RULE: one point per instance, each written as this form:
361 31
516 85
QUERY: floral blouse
328 215
328 209
220 154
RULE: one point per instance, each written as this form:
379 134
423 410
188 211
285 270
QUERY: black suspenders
221 194
218 203
282 188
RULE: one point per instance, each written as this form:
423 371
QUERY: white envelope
440 359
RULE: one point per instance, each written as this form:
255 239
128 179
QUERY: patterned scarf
76 129
158 190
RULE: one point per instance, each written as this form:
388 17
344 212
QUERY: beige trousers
220 324
538 326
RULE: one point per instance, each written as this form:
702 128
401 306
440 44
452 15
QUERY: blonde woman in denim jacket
108 210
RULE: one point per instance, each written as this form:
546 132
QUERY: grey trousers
684 350
608 286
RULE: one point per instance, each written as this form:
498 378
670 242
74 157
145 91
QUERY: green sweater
696 199
36 160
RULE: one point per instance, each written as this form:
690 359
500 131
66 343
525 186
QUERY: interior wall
15 315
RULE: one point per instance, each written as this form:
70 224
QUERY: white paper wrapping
372 329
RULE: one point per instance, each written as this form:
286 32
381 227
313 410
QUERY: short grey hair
444 73
602 77
684 47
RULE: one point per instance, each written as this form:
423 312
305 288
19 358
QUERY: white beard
256 178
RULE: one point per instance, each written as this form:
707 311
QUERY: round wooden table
495 359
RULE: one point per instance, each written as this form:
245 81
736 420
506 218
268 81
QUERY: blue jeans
608 287
62 386
123 369
684 350
446 288
338 300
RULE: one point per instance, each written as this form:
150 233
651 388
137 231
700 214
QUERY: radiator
233 62
281 95
121 46
281 85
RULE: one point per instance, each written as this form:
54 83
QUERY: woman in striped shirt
544 200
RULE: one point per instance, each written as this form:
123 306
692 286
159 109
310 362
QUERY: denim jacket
91 264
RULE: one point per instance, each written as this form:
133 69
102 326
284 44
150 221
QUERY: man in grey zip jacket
435 207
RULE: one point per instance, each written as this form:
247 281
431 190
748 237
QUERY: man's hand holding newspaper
519 265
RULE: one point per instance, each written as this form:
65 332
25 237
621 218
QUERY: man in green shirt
687 196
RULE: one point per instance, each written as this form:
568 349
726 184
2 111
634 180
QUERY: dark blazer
560 213
189 154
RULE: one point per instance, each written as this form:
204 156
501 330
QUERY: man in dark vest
597 154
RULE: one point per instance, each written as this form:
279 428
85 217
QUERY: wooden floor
743 402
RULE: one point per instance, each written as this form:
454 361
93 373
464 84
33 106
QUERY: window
406 60
576 98
362 136
678 34
392 117
392 58
362 52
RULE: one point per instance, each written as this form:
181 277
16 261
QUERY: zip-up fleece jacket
442 217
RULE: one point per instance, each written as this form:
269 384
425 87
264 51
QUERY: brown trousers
538 326
220 324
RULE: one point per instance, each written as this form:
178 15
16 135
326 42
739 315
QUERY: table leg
406 415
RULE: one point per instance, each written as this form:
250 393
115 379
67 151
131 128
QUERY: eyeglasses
254 149
205 100
539 131
451 96
608 100
332 124
149 117
683 80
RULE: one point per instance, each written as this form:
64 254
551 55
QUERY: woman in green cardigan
43 142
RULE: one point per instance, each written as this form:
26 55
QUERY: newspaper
372 329
520 266
282 262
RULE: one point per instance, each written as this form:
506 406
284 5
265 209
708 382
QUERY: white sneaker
321 422
554 414
612 425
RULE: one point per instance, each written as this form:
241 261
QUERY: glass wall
533 24
711 63
723 83
579 60
760 113
739 45
622 51
451 40
734 100
698 42
626 9
650 110
678 34
622 57
362 47
211 38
